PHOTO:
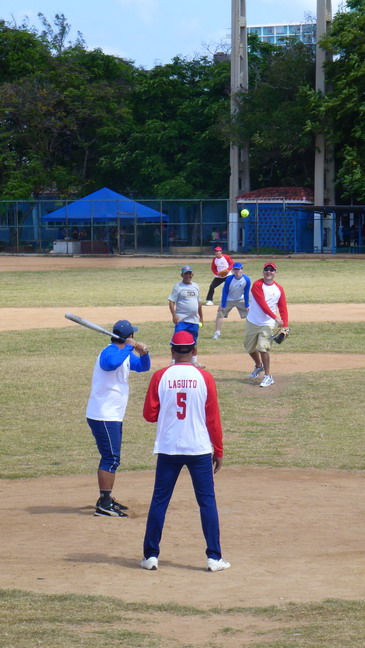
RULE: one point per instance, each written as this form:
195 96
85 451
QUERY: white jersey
109 393
271 294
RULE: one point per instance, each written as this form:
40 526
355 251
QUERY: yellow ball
245 213
200 324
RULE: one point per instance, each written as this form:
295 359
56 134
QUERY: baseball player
235 294
221 267
186 308
267 297
107 404
183 401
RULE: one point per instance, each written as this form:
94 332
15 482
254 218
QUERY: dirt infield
291 535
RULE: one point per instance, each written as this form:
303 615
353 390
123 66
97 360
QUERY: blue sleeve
112 356
225 290
140 363
246 291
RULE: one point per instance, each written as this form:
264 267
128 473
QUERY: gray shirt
187 298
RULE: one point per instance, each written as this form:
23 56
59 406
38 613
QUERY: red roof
294 194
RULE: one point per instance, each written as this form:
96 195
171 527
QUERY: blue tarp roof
105 204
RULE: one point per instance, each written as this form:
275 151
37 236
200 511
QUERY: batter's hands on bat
217 463
140 347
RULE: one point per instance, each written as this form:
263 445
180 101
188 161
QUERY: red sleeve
151 408
229 260
282 306
214 267
259 296
212 414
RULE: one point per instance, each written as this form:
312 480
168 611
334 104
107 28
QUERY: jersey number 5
181 403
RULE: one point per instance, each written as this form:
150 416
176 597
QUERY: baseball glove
280 335
223 273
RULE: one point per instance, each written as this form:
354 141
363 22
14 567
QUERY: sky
152 32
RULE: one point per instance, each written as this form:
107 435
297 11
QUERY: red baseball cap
182 338
269 263
218 249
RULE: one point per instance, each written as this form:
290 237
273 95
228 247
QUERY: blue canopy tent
105 204
109 220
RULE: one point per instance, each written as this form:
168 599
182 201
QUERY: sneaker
118 505
115 503
217 565
216 335
256 371
149 563
267 381
109 511
209 303
200 366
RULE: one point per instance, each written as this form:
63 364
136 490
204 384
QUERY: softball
245 213
200 324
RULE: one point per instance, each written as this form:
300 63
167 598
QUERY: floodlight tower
324 168
240 173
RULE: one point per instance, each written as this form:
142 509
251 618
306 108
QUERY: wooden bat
91 325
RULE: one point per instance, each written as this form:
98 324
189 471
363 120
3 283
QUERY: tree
340 115
178 147
272 115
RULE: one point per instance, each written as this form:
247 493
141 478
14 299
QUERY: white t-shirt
109 393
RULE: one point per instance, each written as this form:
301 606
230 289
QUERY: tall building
278 34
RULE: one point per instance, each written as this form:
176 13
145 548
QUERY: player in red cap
183 400
267 298
221 267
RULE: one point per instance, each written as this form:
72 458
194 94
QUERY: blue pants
167 471
190 327
108 437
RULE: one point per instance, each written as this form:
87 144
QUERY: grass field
317 421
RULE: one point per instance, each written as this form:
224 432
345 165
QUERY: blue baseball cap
186 269
237 266
124 329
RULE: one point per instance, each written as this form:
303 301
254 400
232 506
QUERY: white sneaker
197 364
256 371
267 381
216 335
217 565
209 303
150 563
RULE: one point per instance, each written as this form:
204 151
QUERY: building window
294 29
281 29
255 30
268 31
268 39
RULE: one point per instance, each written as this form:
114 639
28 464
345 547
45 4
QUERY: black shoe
109 511
119 506
114 502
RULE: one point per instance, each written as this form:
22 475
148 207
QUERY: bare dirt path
291 535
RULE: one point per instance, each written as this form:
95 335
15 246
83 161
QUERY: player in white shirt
182 398
107 404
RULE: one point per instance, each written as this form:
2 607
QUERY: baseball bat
91 325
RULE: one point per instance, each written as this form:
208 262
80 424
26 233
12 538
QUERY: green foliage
271 115
340 115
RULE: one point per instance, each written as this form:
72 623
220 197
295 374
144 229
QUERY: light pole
239 161
324 168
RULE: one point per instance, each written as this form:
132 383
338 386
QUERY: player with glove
267 298
221 267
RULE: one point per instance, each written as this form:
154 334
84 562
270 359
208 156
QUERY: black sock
105 497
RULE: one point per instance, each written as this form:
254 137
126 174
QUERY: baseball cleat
200 366
209 303
109 511
256 371
216 335
267 381
150 563
217 565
